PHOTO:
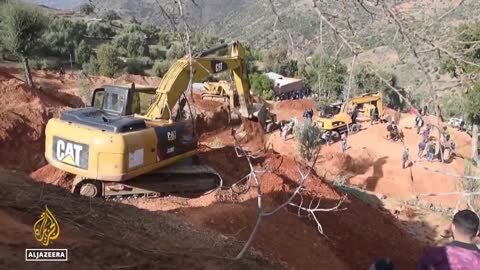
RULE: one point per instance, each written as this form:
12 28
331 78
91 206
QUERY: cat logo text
71 153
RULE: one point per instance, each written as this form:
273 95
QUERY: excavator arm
176 80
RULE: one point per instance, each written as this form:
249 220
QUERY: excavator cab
120 100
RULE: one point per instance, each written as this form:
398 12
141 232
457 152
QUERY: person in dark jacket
404 158
421 148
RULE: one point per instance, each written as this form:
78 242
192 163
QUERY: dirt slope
288 237
107 235
24 113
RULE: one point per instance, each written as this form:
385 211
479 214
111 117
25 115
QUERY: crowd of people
463 253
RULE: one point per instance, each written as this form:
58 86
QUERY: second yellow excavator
117 148
345 120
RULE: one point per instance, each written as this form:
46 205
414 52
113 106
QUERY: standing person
421 148
373 115
431 150
355 114
418 123
461 253
404 157
424 111
344 143
328 137
426 133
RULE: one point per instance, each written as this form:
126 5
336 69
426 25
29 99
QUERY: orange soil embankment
356 236
24 113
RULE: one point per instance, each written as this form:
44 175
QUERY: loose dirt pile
51 175
102 235
356 236
24 113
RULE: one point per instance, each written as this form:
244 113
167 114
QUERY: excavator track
182 180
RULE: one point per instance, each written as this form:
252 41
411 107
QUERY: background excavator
117 147
345 120
217 90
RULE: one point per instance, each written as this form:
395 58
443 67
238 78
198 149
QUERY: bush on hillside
82 53
326 76
108 63
86 9
134 66
100 30
176 51
308 139
91 67
111 15
62 36
262 86
160 68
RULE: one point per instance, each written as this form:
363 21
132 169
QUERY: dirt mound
298 104
252 133
204 105
374 233
24 113
92 228
51 175
5 75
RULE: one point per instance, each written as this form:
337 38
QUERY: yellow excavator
117 147
345 120
220 91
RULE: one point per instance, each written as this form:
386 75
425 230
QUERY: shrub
134 66
262 86
82 53
161 67
107 57
86 9
84 91
91 67
176 51
308 139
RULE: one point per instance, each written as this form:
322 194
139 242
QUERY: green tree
176 51
308 139
137 45
262 86
111 15
107 57
100 30
63 36
134 66
82 53
86 9
23 27
326 76
91 67
160 68
277 60
472 106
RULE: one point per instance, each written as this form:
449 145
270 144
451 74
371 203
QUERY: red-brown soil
106 235
356 236
24 113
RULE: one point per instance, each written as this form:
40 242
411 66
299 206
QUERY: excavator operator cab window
114 103
113 100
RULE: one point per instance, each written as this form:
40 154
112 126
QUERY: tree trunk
475 156
28 72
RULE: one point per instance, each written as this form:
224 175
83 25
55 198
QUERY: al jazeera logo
46 229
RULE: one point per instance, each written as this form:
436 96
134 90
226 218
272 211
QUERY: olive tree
23 28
